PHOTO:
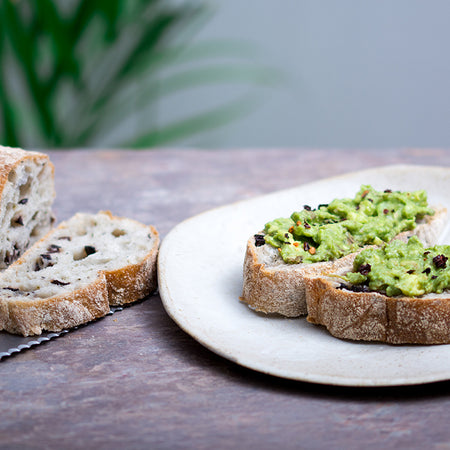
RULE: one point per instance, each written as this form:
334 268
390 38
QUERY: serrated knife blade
11 343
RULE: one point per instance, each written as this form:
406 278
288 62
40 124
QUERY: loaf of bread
73 274
373 316
272 286
26 197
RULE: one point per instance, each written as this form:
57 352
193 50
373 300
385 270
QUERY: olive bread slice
26 197
76 271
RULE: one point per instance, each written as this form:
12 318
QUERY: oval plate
200 281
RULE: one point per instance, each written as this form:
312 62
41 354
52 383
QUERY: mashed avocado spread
401 268
345 225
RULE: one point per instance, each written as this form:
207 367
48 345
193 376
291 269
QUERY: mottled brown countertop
135 380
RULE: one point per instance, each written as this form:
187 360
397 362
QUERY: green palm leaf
21 40
74 73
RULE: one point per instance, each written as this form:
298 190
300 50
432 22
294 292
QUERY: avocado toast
315 240
398 293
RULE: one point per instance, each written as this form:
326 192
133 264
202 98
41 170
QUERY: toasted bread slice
74 273
373 316
273 286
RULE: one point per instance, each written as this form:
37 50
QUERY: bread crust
56 313
279 288
372 316
272 286
11 157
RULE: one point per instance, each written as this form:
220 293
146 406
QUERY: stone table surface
135 380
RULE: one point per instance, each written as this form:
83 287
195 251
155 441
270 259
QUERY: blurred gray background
357 74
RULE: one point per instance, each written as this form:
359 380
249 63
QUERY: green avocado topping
401 268
345 225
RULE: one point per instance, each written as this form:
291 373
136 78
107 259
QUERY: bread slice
372 316
74 273
26 196
273 286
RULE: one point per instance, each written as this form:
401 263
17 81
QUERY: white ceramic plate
200 281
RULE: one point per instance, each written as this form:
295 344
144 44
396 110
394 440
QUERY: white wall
359 73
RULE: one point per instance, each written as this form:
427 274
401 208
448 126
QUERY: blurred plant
74 71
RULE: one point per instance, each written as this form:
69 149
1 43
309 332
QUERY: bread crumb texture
74 273
26 198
